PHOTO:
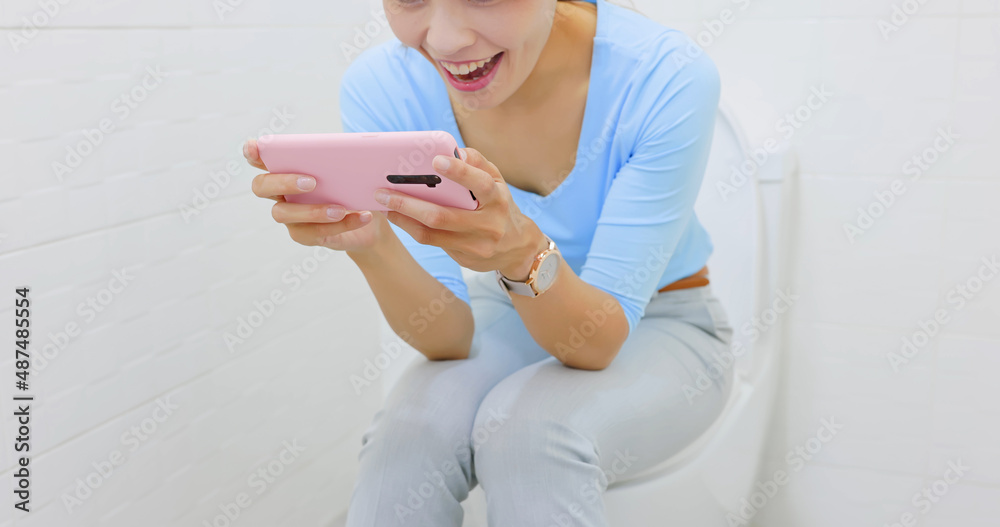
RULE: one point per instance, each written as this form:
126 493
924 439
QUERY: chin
484 99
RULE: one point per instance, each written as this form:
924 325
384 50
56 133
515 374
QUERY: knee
515 437
428 426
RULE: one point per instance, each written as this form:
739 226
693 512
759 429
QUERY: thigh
640 410
451 391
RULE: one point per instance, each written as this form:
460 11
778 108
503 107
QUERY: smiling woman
584 131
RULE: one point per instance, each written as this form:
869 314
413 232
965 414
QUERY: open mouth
470 72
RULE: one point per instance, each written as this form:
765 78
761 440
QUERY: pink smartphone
348 167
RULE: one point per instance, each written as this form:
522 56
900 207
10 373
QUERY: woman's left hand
494 236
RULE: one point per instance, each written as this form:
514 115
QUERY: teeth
464 69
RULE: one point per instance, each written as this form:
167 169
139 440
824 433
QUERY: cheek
404 25
518 31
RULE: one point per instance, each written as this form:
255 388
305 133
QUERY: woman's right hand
329 225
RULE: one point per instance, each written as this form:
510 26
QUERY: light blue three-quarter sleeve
651 199
366 106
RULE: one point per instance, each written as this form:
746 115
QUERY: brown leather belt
696 280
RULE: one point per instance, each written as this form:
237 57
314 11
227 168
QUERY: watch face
547 272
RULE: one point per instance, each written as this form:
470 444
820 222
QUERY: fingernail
365 216
305 183
441 163
463 154
335 213
246 149
382 197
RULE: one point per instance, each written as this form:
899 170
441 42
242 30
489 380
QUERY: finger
322 233
252 154
454 243
272 185
475 173
421 233
430 214
284 212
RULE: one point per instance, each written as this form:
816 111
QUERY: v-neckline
588 106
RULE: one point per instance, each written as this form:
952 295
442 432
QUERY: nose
448 32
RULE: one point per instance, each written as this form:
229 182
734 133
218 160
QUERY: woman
576 365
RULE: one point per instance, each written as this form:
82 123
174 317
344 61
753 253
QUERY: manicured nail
382 197
246 149
441 163
365 216
335 213
306 183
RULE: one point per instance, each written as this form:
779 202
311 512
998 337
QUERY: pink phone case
348 167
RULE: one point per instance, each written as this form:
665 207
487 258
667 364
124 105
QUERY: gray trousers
542 439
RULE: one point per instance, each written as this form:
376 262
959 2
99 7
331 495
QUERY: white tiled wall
158 342
858 300
227 74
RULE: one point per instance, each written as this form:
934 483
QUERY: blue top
624 217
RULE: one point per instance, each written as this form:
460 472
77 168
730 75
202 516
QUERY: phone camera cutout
430 180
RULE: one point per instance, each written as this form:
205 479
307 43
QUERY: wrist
534 243
378 252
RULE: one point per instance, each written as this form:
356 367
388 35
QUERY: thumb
252 154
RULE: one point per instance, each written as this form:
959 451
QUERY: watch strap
520 288
525 288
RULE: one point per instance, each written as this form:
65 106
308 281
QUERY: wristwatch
541 276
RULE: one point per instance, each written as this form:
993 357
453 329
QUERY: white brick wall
225 77
161 338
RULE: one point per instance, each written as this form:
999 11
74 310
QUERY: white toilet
706 481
